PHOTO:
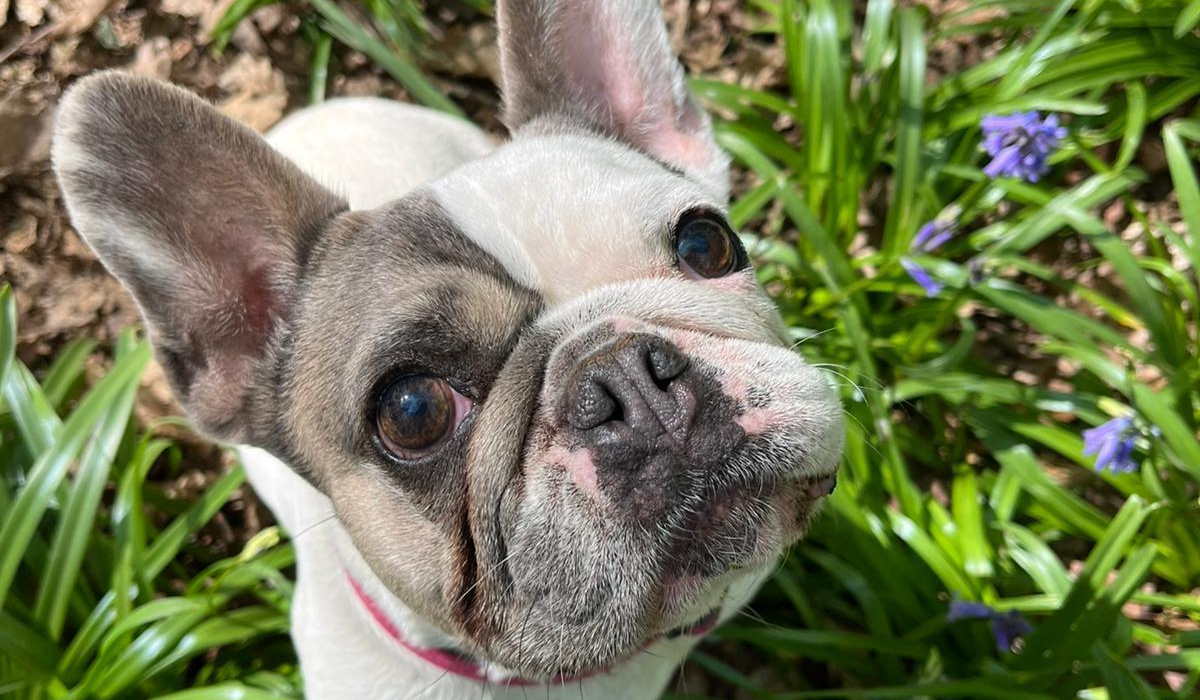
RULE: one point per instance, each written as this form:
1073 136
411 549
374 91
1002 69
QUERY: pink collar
444 659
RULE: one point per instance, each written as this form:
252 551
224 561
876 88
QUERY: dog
532 423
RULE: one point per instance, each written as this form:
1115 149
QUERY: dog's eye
416 413
705 246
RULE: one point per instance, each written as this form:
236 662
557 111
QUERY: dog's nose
633 379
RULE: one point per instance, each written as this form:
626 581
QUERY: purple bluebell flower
921 277
1020 143
1112 443
930 237
968 610
1006 626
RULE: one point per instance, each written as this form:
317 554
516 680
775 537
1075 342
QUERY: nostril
665 363
593 406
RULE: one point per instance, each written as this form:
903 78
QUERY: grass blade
22 520
76 523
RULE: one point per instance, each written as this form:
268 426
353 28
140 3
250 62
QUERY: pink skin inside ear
604 63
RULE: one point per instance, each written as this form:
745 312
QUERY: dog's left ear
609 65
205 223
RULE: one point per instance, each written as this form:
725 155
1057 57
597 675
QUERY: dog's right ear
204 222
606 64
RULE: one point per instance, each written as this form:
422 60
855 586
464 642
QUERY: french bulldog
524 409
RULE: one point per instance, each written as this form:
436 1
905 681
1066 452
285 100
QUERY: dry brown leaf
153 59
21 236
258 93
31 13
75 16
210 18
26 132
269 17
468 51
187 8
208 12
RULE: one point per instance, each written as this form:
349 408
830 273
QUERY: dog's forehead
567 213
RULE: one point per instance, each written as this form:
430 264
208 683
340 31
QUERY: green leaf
1033 555
318 72
19 641
1135 124
1187 189
222 691
166 546
1120 680
66 370
347 31
1070 509
1189 16
902 219
77 521
22 520
950 574
966 504
88 638
1059 640
8 333
36 420
875 35
1175 431
819 643
118 673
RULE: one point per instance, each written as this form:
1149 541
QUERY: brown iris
705 246
414 414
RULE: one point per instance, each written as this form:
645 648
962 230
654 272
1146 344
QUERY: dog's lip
818 486
698 627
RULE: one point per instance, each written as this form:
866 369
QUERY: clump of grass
94 604
866 605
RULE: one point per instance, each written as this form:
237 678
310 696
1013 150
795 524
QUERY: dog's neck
355 639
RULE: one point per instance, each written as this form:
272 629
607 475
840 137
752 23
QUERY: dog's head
545 393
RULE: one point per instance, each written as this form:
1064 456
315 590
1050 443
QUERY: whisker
805 339
322 521
427 688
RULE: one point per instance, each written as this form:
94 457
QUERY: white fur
373 151
517 204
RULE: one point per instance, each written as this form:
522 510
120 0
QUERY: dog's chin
705 573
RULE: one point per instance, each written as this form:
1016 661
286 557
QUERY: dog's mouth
699 627
739 528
